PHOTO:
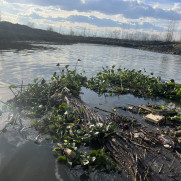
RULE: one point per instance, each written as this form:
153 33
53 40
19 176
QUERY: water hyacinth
66 126
122 81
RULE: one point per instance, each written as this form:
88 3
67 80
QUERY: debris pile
112 143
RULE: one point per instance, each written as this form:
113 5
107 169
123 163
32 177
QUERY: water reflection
21 159
26 65
25 162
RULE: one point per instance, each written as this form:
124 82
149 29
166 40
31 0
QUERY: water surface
25 65
20 157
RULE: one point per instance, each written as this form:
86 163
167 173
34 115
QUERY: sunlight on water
26 65
20 158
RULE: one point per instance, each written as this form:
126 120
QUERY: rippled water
20 158
26 65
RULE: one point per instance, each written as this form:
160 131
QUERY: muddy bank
160 47
11 34
20 45
168 48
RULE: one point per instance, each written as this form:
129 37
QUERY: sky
96 17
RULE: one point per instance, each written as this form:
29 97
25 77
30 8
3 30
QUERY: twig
102 110
22 86
160 170
171 163
13 92
140 145
3 102
179 155
144 154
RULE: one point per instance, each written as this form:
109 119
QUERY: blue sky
95 16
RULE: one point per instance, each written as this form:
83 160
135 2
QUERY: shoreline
12 34
173 48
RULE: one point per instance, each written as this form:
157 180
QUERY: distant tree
49 28
84 32
170 30
116 33
60 29
31 24
95 34
154 37
72 33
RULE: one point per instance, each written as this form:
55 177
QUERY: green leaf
12 86
62 159
95 152
35 80
81 109
33 123
52 126
4 107
54 74
47 138
12 106
70 124
56 148
54 138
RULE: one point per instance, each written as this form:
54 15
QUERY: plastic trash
167 146
126 126
163 140
139 135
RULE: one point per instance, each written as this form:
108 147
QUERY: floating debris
115 142
156 119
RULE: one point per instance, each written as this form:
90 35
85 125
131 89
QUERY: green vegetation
122 81
63 123
67 126
40 97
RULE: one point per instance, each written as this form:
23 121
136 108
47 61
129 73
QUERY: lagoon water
20 158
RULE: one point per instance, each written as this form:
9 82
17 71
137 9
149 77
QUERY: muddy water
26 156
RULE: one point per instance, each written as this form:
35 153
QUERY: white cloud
128 8
176 7
83 1
134 14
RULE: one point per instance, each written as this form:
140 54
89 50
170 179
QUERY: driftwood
158 112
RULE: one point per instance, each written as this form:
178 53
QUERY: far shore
16 36
173 48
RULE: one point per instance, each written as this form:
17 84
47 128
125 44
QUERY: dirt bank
171 48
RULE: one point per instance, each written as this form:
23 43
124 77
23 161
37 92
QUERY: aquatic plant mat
110 142
123 81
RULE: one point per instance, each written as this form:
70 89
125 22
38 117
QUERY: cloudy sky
94 16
